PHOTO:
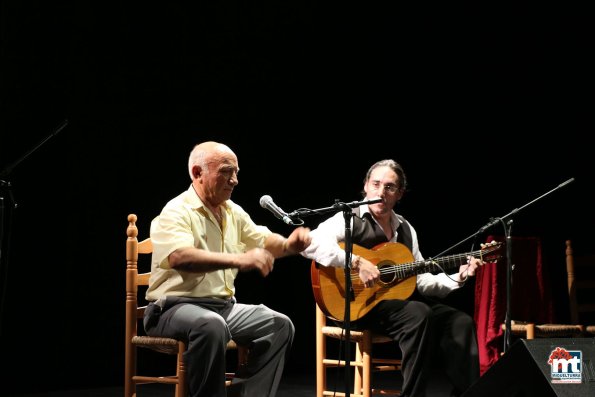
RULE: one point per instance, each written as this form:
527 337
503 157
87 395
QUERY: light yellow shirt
186 222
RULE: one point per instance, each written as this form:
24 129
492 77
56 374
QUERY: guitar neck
432 265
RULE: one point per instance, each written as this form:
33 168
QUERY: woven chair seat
162 345
546 330
356 336
552 330
166 345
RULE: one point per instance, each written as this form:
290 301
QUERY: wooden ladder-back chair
580 272
136 284
364 365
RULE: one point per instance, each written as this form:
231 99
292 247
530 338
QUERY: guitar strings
401 269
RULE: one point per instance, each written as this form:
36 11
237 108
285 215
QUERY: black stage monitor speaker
541 368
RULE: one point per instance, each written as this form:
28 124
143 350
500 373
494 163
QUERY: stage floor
292 385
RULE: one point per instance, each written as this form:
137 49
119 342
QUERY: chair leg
320 355
530 331
181 371
242 356
367 363
130 365
359 370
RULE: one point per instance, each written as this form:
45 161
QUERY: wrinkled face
217 181
383 183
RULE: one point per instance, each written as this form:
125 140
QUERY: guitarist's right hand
368 272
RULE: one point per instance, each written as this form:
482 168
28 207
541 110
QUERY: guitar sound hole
387 275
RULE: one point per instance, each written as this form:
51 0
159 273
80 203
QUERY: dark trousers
430 336
207 325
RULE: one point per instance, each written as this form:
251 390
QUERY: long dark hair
393 165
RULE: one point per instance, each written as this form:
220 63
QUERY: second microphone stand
507 225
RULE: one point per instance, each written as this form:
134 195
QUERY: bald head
205 152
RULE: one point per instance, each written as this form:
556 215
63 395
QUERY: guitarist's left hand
469 268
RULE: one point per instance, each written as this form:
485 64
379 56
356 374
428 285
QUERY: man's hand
257 259
297 241
368 272
469 268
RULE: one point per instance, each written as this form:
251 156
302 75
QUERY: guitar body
328 283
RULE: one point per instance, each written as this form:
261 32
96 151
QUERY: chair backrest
580 270
134 279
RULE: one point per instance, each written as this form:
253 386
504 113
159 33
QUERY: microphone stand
349 293
507 226
7 207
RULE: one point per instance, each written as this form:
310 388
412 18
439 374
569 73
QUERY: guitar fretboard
404 270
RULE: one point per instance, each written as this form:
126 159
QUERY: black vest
368 234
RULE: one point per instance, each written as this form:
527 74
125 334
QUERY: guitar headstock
490 251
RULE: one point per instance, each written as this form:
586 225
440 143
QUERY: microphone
266 201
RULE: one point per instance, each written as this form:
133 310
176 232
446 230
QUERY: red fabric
531 299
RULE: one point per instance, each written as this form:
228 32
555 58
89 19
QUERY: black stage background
486 106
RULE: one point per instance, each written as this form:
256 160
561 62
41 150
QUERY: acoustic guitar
397 277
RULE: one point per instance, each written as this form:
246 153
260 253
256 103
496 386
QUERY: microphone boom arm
338 206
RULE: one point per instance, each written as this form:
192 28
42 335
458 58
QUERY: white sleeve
324 248
436 285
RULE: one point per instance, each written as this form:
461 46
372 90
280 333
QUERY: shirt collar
196 203
394 219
